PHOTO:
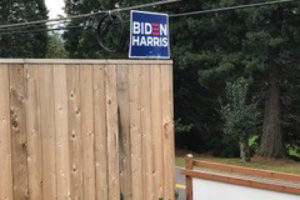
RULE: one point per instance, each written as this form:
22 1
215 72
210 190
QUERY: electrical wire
41 30
37 23
89 14
104 24
39 26
32 27
231 8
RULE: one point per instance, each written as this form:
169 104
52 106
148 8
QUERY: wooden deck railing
262 179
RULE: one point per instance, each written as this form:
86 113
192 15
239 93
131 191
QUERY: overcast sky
55 7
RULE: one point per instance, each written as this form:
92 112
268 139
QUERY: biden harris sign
149 35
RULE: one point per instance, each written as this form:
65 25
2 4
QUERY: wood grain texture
18 131
101 153
146 132
242 181
168 130
6 174
75 137
124 132
136 135
189 179
87 131
84 62
48 132
248 171
34 140
157 132
112 132
61 128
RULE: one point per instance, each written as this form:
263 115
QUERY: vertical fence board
112 133
101 152
34 159
124 129
87 131
167 122
6 185
18 131
136 145
157 132
75 144
61 127
47 128
146 122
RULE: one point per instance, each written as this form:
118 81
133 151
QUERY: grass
284 165
294 152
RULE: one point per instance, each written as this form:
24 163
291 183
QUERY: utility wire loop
231 8
89 14
109 21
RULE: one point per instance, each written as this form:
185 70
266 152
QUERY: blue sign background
149 51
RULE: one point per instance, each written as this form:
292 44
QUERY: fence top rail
248 171
264 179
243 181
86 61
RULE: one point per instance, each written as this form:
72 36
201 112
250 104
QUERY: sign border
149 57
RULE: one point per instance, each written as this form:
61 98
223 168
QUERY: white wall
211 190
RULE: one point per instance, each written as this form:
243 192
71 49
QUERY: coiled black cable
103 25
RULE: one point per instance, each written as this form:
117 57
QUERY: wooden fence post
189 180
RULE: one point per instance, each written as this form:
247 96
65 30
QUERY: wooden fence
288 184
81 129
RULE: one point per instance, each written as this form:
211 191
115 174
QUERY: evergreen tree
81 43
260 43
56 47
240 116
29 45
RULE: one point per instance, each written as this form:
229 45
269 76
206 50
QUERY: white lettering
156 41
142 28
148 29
136 28
165 42
143 41
163 29
136 41
150 41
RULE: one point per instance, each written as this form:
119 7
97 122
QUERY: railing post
189 181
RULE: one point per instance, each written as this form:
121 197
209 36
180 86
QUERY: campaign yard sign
149 35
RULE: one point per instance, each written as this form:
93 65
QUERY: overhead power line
51 25
231 8
40 30
38 24
89 14
32 27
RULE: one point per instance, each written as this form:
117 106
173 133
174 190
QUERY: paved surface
180 184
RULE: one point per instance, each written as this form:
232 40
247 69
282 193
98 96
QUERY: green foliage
81 43
182 128
29 45
210 53
56 47
239 114
232 44
253 142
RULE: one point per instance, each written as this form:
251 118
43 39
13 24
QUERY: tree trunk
244 147
271 142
